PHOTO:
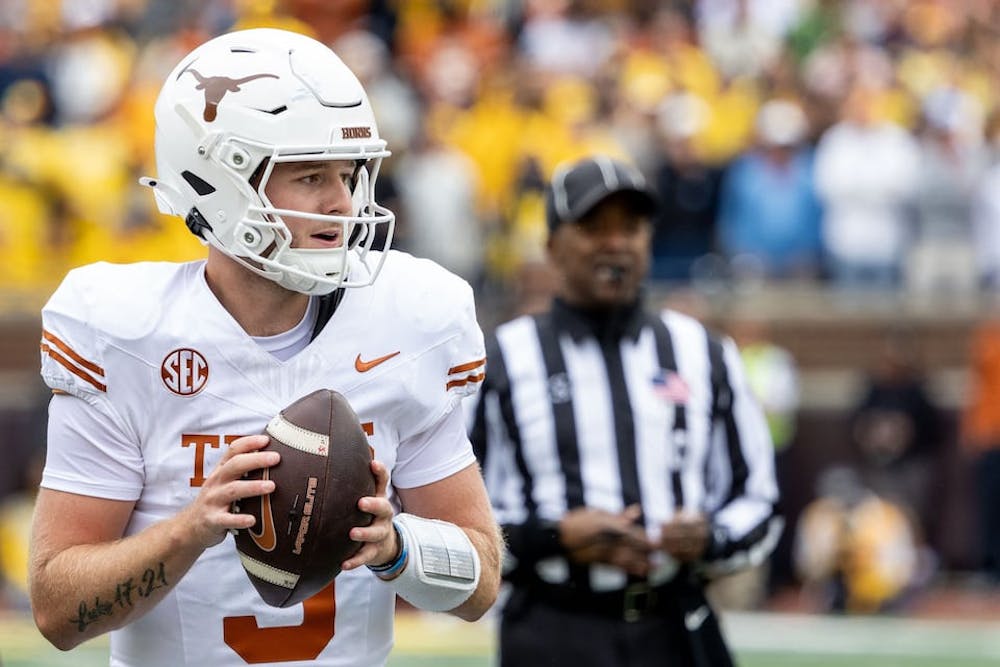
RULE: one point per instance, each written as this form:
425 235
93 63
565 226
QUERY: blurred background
830 178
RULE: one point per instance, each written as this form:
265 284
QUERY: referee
624 455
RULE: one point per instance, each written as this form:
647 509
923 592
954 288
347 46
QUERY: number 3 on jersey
288 642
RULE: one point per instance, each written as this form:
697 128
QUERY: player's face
604 257
323 187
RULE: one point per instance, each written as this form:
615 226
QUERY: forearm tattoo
151 579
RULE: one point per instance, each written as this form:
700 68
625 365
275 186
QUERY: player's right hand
597 536
211 515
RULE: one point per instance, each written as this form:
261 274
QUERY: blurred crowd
849 141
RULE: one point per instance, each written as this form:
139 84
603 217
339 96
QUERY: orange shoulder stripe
68 365
467 367
467 380
68 351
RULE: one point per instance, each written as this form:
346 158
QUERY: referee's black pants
537 631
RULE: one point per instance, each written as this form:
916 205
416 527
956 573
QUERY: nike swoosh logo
365 366
267 538
694 619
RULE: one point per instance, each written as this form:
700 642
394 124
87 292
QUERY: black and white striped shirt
603 413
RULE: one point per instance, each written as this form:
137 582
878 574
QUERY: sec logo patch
184 371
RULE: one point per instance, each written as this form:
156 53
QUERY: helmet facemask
262 241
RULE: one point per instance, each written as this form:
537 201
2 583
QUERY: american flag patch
670 386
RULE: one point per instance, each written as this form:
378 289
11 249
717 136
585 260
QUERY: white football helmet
243 102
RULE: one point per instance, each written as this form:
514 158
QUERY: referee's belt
632 603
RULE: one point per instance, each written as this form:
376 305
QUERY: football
300 537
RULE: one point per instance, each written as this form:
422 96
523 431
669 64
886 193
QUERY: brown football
300 537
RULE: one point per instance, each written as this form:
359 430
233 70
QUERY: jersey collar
604 324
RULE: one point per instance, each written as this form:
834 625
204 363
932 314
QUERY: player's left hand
380 542
685 536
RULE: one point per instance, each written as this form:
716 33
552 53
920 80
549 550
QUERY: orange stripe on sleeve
467 367
68 351
68 365
467 380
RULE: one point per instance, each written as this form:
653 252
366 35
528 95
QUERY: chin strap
196 222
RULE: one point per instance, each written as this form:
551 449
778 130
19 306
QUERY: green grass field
759 639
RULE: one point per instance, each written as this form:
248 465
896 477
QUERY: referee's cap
580 186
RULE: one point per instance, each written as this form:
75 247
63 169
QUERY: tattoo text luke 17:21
152 579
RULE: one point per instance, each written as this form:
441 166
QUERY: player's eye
350 178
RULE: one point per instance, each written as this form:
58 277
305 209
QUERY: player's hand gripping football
380 542
211 515
596 536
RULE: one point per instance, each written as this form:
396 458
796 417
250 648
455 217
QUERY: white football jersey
170 379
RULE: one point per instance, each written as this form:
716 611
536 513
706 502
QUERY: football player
267 147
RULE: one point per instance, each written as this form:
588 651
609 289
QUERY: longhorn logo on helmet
216 87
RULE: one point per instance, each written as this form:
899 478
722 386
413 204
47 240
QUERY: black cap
578 187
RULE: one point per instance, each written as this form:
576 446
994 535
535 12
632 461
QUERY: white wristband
442 566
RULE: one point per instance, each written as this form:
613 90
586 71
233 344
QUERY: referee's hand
685 536
597 536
